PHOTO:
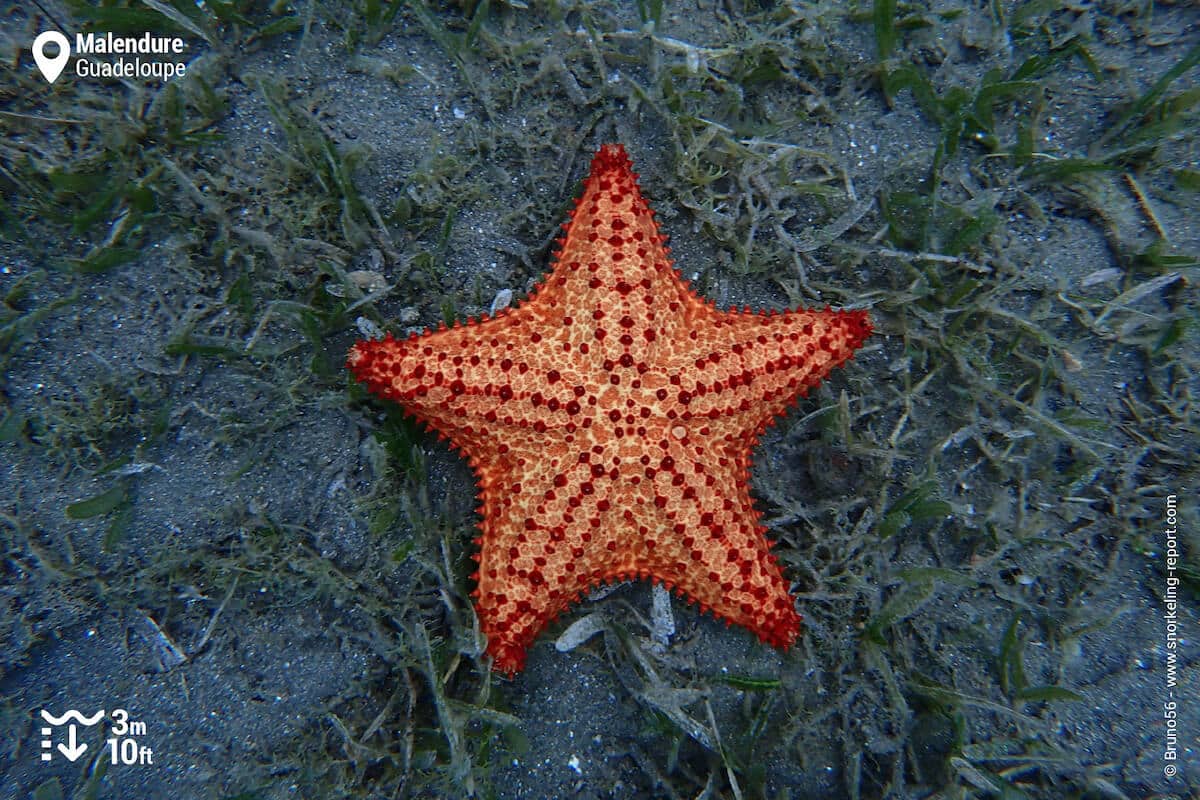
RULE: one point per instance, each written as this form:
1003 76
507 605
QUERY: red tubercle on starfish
609 421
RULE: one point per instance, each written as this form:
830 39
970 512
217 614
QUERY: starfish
609 421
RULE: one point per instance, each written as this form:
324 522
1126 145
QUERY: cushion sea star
609 420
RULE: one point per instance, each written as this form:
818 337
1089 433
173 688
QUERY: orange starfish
609 420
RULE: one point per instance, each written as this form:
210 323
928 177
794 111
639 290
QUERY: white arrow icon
72 749
51 66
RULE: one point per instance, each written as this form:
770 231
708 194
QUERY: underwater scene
723 399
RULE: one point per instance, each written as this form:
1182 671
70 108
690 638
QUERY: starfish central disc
610 420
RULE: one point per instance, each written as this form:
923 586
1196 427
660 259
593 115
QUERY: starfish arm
713 548
427 374
614 284
545 540
612 248
477 384
753 366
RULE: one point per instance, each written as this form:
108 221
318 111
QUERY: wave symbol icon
73 714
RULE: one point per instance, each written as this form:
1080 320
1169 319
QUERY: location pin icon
51 66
